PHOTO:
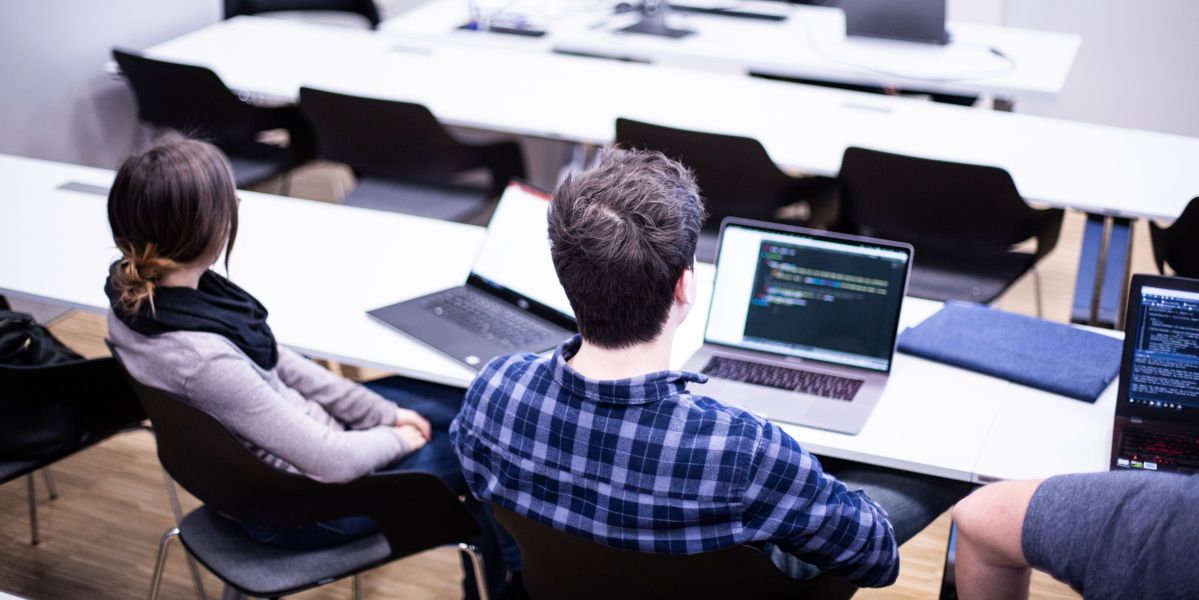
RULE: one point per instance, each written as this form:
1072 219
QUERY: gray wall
56 101
1138 65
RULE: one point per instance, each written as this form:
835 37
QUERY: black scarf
218 306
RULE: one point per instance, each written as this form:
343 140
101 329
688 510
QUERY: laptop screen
1165 354
516 254
810 295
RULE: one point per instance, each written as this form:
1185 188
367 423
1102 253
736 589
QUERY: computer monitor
1160 372
908 20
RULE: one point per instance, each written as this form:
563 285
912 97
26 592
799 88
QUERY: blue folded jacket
1048 356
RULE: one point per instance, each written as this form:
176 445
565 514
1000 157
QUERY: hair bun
138 274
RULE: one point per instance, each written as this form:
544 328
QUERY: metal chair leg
175 508
50 483
949 584
356 587
232 593
32 512
285 184
1036 277
476 560
163 547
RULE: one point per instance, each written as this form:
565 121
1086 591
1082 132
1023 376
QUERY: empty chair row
964 220
405 161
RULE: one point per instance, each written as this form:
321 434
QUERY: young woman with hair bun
183 328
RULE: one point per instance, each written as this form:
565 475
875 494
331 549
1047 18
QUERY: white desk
318 268
809 44
1059 163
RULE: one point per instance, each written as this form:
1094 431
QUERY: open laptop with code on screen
1157 409
803 323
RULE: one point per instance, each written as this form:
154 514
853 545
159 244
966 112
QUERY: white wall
1138 65
987 12
55 101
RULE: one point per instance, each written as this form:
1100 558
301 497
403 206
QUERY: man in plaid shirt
603 441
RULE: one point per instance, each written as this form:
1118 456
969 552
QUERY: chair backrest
416 510
188 98
933 204
1178 245
560 566
366 8
382 138
736 176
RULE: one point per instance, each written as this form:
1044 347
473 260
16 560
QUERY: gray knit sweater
297 416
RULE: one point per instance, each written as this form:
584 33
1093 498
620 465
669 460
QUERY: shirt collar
642 389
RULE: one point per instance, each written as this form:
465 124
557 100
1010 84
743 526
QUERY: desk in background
810 43
1099 169
318 267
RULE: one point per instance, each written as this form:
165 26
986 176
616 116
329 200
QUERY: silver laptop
803 323
512 300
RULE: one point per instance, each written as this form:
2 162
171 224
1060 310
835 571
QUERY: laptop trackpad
768 402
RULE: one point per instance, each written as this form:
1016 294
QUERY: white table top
811 44
318 268
1059 163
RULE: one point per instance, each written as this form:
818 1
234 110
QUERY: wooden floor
100 537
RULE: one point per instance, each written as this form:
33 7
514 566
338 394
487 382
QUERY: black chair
416 511
366 8
404 159
560 566
90 399
195 101
1178 244
737 179
962 219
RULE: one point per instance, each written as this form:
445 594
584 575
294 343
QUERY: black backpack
24 343
41 430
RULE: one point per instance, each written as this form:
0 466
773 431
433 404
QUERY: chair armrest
1157 235
1048 228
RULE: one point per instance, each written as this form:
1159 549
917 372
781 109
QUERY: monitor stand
653 21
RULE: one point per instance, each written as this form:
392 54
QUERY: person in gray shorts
1107 535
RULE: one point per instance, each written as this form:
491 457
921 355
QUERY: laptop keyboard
1162 448
807 382
504 327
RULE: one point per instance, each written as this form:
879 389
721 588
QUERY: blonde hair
170 207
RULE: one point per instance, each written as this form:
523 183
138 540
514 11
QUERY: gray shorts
1117 535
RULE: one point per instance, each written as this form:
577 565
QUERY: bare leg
990 559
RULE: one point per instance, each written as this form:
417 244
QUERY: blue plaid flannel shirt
641 464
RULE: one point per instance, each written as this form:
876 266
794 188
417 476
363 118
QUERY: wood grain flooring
99 538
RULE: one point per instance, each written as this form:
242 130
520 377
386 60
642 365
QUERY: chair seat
262 570
446 202
11 469
964 276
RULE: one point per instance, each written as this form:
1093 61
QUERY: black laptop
1157 411
512 300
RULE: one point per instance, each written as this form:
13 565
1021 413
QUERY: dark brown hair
622 234
170 207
